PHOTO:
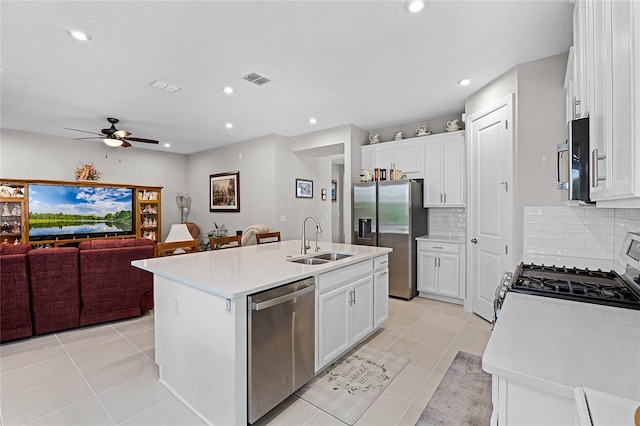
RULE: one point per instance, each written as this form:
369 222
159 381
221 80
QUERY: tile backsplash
448 221
569 235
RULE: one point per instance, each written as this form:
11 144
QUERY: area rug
463 396
349 386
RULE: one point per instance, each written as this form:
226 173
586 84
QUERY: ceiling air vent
256 79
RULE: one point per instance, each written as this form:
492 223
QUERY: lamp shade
178 232
112 141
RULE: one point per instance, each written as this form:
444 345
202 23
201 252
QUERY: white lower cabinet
440 274
380 290
348 302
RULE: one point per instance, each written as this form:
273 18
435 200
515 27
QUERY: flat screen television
62 212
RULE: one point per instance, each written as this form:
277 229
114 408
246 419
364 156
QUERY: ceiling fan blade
141 140
83 131
126 144
94 137
121 133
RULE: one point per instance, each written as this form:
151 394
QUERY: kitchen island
542 348
201 312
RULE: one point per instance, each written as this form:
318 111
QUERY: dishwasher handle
282 299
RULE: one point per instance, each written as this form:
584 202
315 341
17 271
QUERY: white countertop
443 238
236 272
557 345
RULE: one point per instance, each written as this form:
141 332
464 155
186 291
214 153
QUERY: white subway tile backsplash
447 221
562 228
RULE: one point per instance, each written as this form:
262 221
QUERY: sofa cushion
55 290
110 287
14 249
15 303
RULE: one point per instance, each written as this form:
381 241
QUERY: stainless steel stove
580 285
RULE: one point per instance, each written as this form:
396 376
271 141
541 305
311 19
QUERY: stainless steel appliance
281 344
391 214
580 285
572 161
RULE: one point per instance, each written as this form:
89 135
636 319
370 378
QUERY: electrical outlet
283 218
176 305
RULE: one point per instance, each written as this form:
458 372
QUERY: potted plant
217 231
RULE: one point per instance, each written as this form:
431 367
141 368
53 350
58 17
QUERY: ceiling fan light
112 142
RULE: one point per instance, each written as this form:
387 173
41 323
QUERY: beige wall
540 126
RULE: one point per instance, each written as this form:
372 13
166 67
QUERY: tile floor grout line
86 381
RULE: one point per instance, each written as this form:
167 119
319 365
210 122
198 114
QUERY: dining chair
268 237
218 243
176 247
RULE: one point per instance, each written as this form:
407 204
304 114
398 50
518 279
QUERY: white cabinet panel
361 309
440 271
380 297
333 318
406 155
444 171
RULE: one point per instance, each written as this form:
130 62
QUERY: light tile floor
105 374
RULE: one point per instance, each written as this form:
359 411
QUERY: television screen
67 211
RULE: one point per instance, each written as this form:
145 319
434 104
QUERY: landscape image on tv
62 211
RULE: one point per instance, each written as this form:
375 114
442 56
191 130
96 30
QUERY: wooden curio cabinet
148 213
13 220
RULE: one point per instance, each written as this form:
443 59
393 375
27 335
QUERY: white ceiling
369 63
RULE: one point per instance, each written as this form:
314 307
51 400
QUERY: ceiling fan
114 137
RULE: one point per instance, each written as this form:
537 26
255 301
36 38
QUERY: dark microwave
572 162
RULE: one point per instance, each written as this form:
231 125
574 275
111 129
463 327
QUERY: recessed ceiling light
228 90
79 35
228 125
464 82
167 145
312 120
415 6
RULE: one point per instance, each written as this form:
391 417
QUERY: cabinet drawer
342 276
439 247
380 262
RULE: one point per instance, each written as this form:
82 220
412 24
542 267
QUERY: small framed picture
334 191
224 192
304 188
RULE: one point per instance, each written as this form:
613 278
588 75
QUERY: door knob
474 241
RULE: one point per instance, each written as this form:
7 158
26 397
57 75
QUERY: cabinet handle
445 198
435 262
595 176
354 296
438 262
441 197
437 247
384 273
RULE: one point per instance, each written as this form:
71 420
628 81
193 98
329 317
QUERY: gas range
577 284
581 285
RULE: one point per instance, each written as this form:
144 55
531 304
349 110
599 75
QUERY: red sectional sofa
47 290
110 288
15 303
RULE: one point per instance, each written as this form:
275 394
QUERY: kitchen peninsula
201 313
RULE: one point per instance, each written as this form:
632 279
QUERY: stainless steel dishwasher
281 344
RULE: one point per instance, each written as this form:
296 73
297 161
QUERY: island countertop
237 272
557 345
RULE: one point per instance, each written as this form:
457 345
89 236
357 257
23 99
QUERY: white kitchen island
200 316
542 348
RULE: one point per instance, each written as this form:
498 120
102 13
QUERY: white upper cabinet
406 155
444 170
613 29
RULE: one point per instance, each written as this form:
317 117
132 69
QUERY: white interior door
490 201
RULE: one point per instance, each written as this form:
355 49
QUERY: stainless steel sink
332 256
309 261
321 258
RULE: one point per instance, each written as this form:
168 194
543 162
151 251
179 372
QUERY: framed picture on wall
224 192
334 191
304 188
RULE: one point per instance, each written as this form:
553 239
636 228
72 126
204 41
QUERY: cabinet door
333 324
409 157
453 171
382 156
380 297
433 196
367 157
362 308
449 275
598 127
427 271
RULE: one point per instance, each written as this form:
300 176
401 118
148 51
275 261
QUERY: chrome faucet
304 246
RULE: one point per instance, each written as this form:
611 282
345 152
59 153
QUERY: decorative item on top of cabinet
13 223
374 138
398 136
148 212
441 271
422 131
452 126
444 180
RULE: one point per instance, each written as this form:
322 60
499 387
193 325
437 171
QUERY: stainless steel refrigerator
391 214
